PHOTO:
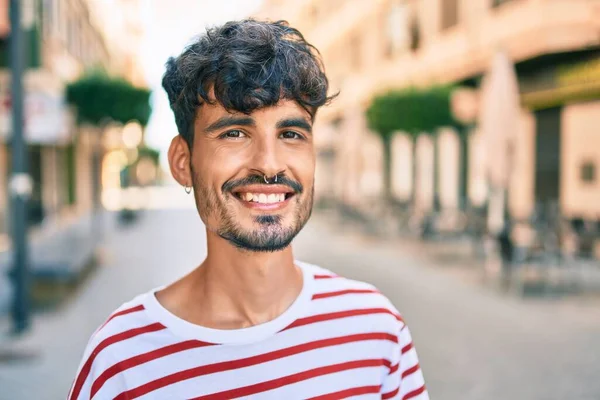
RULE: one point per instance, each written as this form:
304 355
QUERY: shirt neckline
251 334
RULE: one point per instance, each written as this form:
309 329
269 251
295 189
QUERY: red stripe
394 368
342 292
344 394
407 348
144 358
87 367
290 379
338 315
414 393
410 371
122 312
325 276
249 361
387 363
391 394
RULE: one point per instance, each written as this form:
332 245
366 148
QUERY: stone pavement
474 344
58 252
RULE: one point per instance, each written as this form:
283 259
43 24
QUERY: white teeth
263 197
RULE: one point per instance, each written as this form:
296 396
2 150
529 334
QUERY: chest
279 368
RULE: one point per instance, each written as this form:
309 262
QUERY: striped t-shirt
339 339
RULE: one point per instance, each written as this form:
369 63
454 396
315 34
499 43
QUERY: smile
262 197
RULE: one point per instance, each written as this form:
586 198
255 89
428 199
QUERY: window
36 204
80 41
71 167
61 18
449 13
548 148
48 16
70 35
415 35
498 3
588 172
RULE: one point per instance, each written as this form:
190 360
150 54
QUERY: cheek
217 165
227 159
302 164
306 175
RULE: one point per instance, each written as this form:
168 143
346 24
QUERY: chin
260 240
268 220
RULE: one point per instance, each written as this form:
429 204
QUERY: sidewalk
156 250
58 252
473 343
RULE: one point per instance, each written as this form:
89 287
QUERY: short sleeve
405 380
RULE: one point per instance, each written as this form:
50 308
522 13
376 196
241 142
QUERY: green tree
412 110
98 100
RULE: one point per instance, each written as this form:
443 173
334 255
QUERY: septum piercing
267 181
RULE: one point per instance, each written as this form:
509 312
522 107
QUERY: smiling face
232 156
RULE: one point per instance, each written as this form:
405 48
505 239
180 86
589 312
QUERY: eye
291 135
233 134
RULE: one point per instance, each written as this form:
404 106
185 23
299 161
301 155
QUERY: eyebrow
224 122
295 123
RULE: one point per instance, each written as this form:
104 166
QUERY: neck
235 288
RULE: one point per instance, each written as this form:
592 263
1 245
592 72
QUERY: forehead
209 113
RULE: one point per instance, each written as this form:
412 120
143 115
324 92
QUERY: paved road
473 344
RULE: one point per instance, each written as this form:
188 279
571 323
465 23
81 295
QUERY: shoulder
129 315
126 322
341 294
111 343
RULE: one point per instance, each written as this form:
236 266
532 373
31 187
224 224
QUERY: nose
267 157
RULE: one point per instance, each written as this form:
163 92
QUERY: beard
269 233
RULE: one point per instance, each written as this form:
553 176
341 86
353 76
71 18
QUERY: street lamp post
20 185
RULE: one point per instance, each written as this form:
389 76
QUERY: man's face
231 156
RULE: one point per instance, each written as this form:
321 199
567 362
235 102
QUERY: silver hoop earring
266 180
275 180
188 189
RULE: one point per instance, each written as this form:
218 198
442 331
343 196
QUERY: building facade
371 47
64 39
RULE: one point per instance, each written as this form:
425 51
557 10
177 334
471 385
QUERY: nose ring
267 181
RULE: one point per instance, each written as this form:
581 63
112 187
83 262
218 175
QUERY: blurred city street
473 343
457 169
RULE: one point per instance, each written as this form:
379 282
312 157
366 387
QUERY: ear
179 161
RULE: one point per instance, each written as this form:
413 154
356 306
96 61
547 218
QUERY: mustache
231 185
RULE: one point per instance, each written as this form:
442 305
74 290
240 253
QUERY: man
250 321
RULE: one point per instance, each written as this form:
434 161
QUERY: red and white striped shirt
339 339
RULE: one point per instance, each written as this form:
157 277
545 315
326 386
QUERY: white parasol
499 123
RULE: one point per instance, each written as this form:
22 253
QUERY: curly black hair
248 65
